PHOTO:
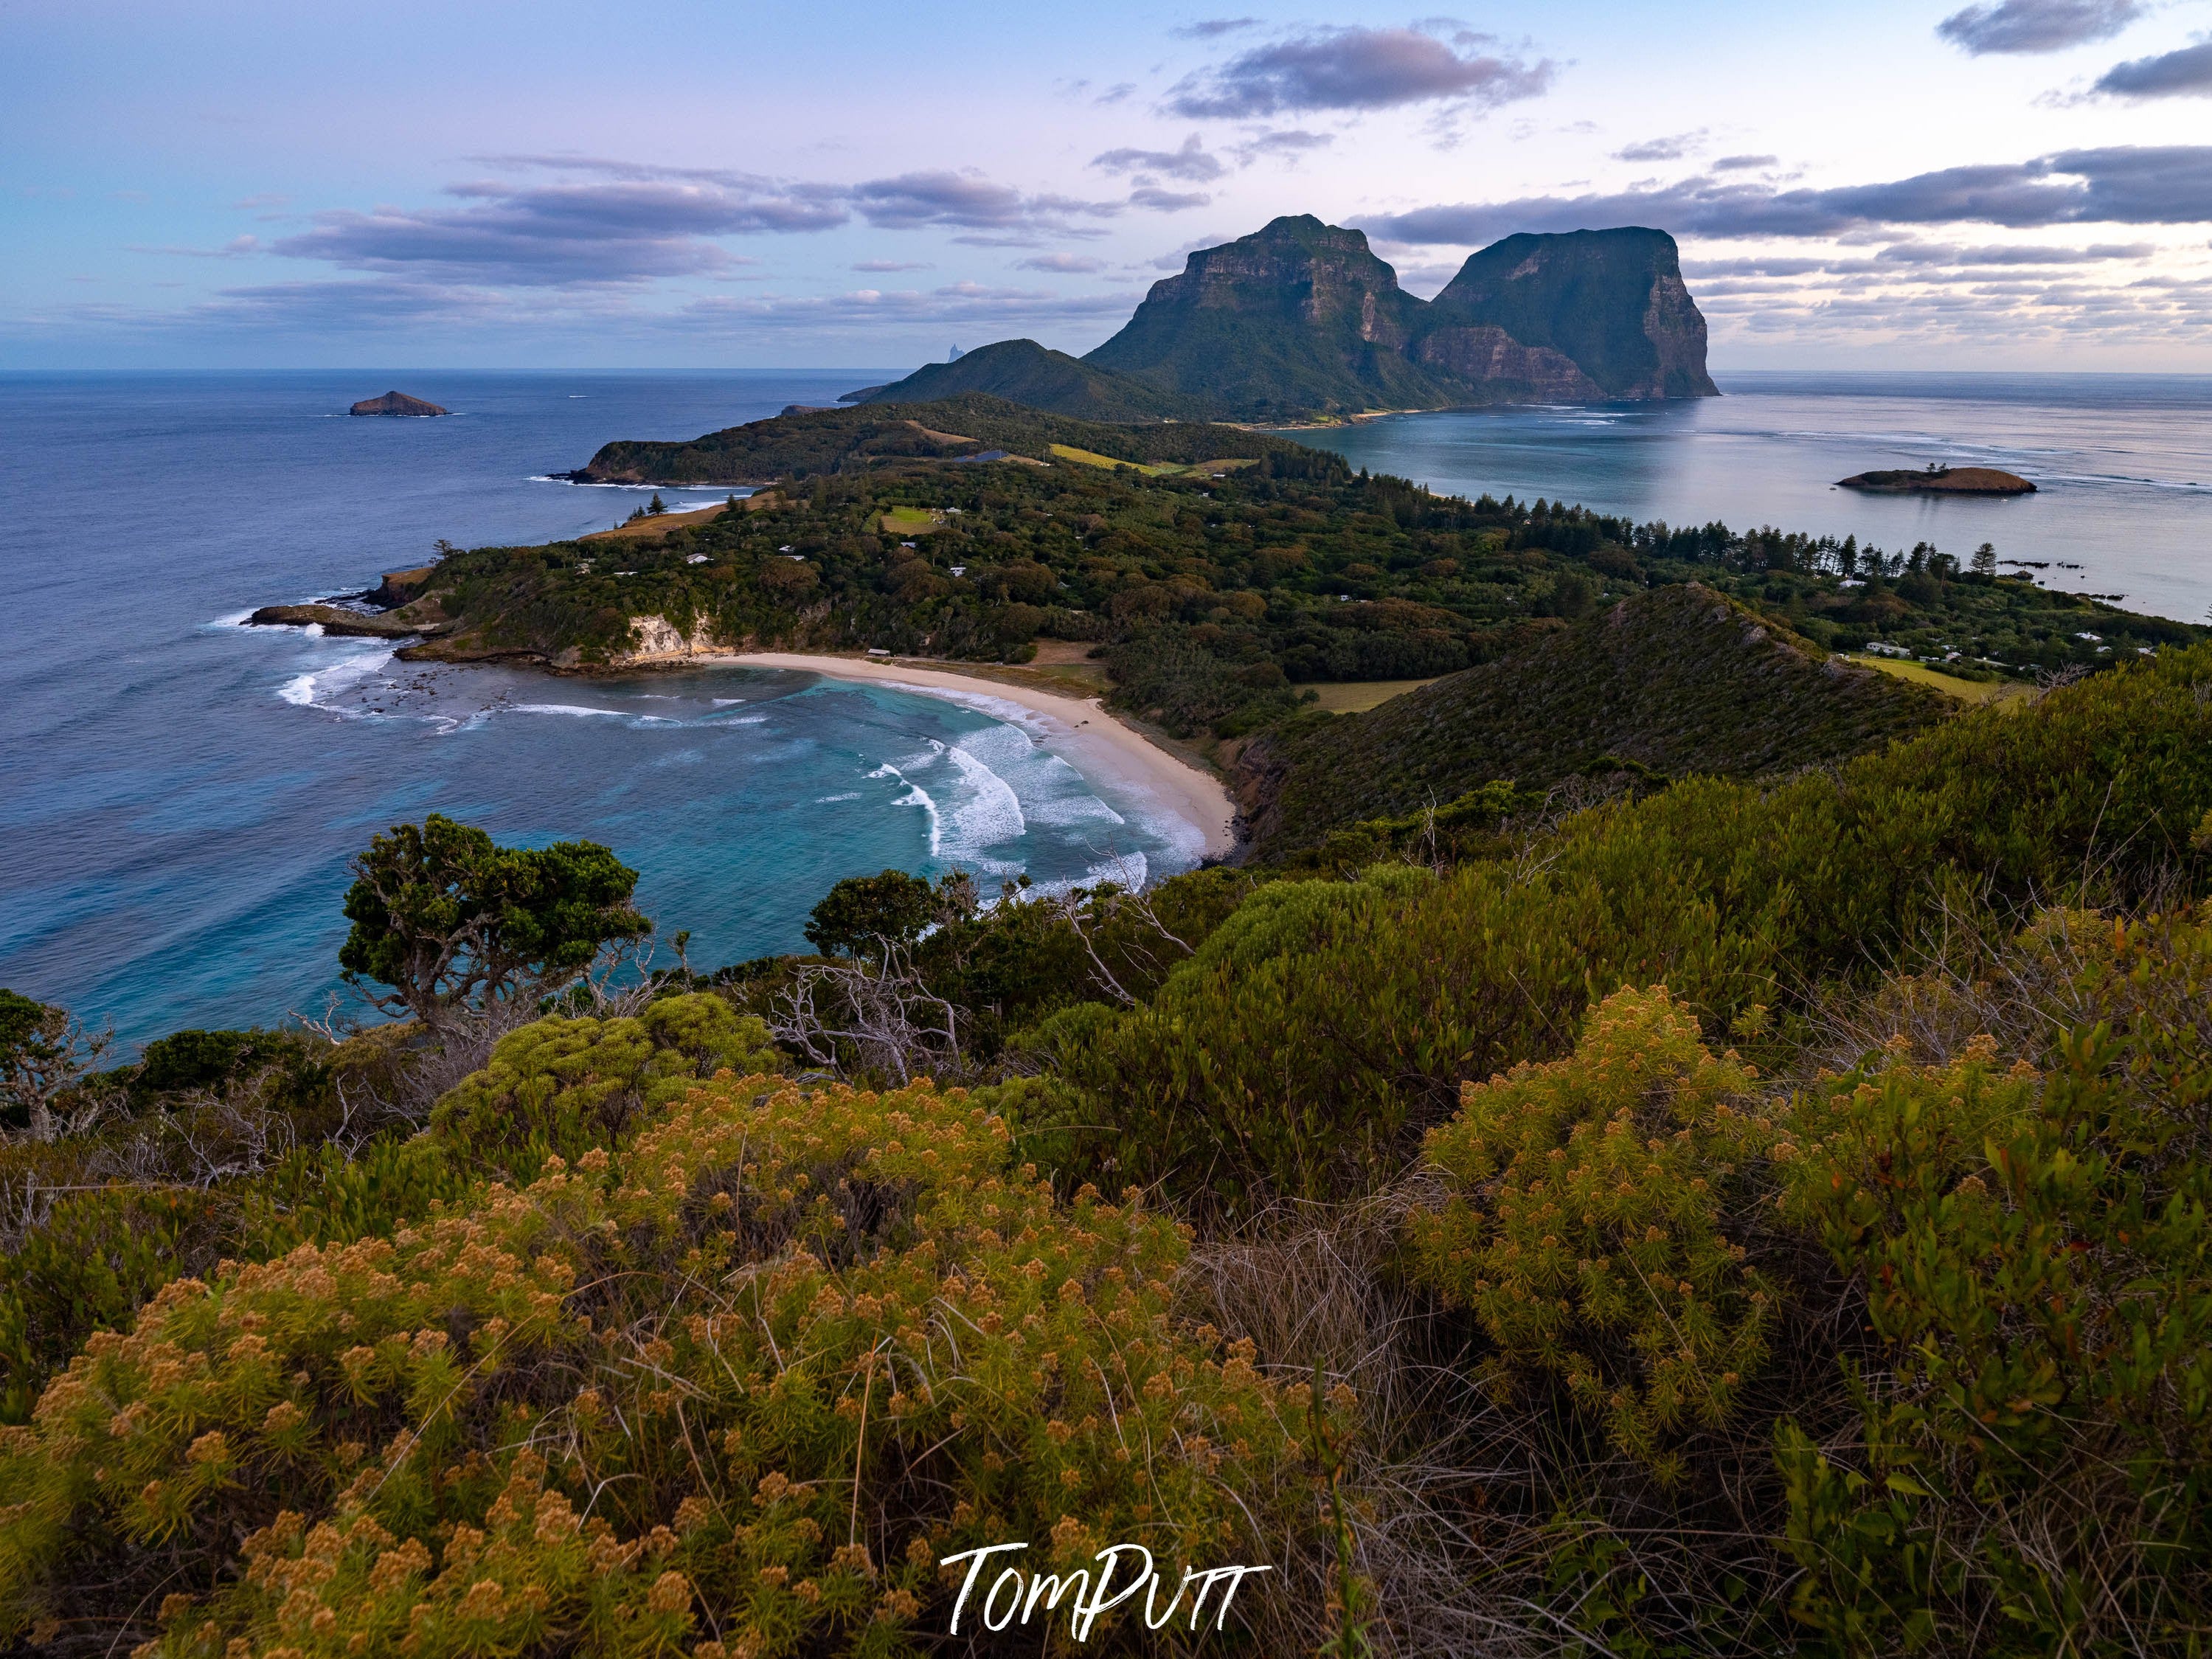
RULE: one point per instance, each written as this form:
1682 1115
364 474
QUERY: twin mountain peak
1302 319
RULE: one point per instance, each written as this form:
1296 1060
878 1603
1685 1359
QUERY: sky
2014 185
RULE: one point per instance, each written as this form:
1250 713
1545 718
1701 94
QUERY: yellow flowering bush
1591 1223
731 1389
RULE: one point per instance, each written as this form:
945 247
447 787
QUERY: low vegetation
1699 1150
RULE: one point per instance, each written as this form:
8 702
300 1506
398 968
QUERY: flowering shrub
745 1380
562 1087
1592 1220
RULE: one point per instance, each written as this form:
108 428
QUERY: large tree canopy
447 919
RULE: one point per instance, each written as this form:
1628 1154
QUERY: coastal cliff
1301 318
1591 314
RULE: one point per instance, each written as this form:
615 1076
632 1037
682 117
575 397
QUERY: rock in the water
397 402
1940 481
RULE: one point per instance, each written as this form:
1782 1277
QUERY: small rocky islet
1938 480
397 402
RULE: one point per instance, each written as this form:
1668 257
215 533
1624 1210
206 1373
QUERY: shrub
2036 1255
783 1350
1595 1223
563 1086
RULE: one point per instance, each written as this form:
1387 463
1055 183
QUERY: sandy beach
1079 729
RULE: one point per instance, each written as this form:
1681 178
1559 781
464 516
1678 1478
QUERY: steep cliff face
1609 303
1300 316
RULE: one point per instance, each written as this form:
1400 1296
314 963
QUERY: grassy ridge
1677 680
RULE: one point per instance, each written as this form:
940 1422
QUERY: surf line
1083 1611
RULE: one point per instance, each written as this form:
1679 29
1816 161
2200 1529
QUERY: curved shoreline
1093 740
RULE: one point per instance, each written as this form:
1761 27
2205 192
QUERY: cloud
1739 163
236 247
1211 27
2184 74
1289 142
886 265
1661 150
2032 26
1191 162
1356 68
616 225
1116 92
967 199
2140 185
955 302
1167 201
1934 253
1069 264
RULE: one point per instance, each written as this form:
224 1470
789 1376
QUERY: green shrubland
1714 1215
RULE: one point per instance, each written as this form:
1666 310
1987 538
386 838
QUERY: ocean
2122 463
181 793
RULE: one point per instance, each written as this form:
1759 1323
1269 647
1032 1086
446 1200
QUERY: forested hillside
1671 682
1217 572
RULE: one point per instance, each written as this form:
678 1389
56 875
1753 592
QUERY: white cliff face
659 641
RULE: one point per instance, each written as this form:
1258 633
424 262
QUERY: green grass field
1964 691
911 520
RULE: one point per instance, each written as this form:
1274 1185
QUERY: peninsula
397 402
1938 480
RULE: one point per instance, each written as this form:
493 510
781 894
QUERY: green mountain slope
1024 372
1678 679
841 440
1300 317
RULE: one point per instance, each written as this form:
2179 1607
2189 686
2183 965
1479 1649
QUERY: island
397 402
1934 480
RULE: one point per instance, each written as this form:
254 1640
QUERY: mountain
1300 317
1674 680
1024 372
1591 315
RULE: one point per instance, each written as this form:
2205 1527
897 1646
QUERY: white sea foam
579 709
992 813
827 800
318 687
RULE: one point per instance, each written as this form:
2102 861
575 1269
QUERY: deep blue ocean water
179 795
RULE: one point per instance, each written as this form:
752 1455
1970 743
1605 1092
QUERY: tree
1986 560
656 506
452 923
44 1055
869 914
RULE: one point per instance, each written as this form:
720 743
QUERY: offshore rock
397 402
